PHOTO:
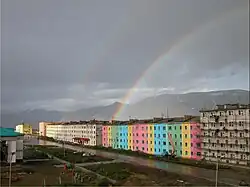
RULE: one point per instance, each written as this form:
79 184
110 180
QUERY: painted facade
182 139
24 128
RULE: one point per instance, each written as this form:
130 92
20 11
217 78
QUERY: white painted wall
11 149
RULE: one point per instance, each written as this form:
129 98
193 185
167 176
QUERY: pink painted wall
105 136
143 131
136 139
194 140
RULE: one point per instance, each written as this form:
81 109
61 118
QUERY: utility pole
10 177
217 170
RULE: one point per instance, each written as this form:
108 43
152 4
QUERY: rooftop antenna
214 104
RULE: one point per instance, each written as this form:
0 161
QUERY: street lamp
217 169
10 168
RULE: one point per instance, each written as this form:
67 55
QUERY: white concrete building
73 130
225 132
11 145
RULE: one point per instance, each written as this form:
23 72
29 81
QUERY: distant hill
166 104
180 104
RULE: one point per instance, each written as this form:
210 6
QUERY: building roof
8 132
226 107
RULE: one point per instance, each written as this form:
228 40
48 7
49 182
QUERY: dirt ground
34 175
132 175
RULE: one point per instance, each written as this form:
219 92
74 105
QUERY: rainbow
174 47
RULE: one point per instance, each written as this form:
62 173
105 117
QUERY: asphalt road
225 176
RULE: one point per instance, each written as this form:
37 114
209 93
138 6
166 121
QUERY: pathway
83 169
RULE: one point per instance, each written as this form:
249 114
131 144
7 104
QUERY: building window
186 153
192 153
191 144
142 135
154 128
241 112
159 143
198 153
185 135
191 136
137 141
180 127
185 127
186 144
151 142
142 141
164 143
143 148
164 135
159 135
159 128
151 135
164 128
150 128
175 136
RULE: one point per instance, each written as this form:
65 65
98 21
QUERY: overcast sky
69 54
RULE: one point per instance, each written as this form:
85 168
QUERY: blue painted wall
160 139
123 136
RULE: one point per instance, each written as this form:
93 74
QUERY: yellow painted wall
150 139
24 128
130 137
185 130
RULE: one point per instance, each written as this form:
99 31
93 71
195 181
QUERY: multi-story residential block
179 136
74 131
24 128
225 132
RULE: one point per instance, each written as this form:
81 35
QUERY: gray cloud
72 54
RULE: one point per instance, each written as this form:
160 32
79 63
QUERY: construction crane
172 154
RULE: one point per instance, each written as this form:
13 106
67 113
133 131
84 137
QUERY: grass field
134 175
70 155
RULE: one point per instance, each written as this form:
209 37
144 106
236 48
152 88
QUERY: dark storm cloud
68 54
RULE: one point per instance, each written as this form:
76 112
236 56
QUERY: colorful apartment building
177 136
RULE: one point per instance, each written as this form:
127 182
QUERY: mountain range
167 105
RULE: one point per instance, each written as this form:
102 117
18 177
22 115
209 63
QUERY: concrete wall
11 149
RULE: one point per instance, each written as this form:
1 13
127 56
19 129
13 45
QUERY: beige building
73 130
225 132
